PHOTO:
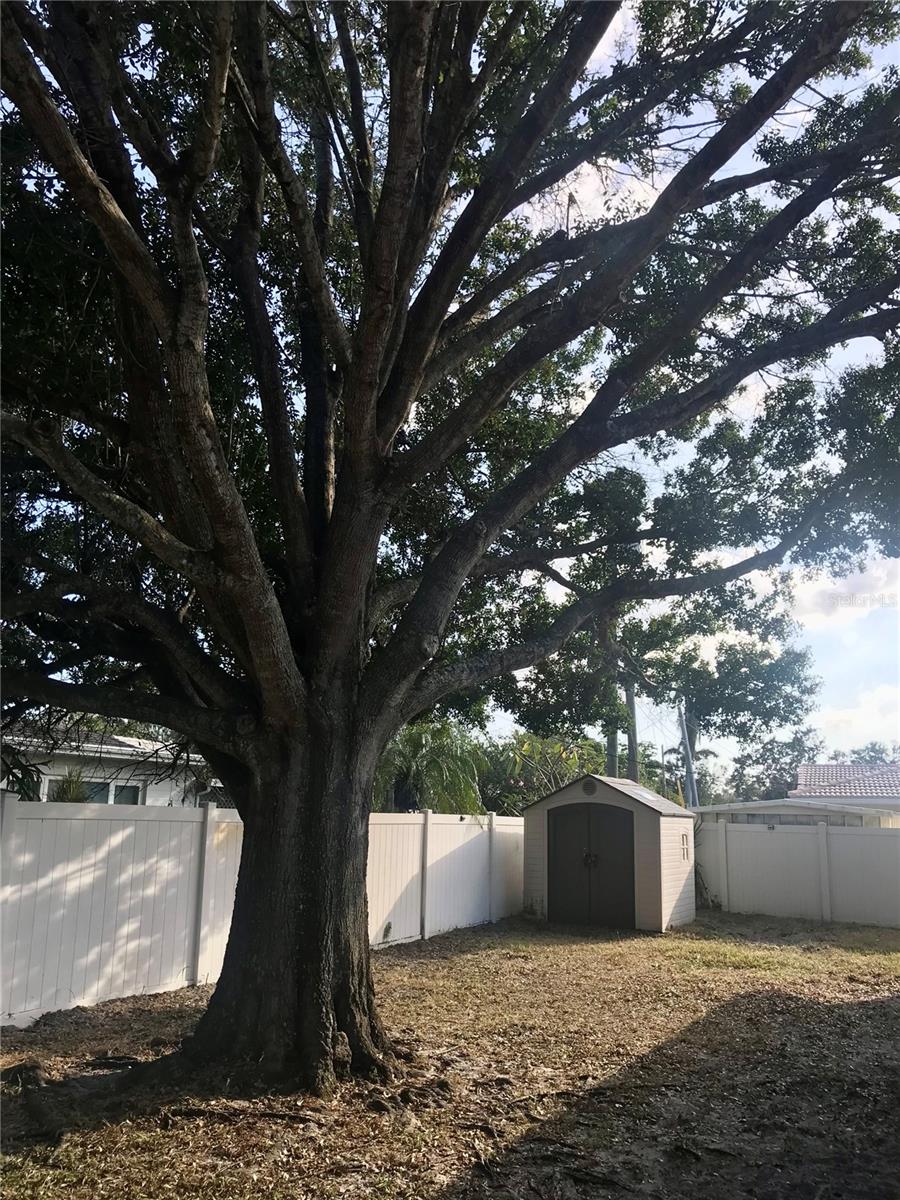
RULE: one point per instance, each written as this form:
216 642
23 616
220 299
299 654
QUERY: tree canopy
259 271
336 332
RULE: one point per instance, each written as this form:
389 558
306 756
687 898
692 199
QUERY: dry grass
742 1057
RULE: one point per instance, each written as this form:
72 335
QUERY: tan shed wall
647 892
678 902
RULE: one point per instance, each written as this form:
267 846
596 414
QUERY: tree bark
632 771
612 753
295 998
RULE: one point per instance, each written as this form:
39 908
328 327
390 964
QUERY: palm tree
432 765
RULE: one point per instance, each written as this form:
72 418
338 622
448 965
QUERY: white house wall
884 802
123 771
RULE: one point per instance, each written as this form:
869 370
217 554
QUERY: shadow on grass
768 1096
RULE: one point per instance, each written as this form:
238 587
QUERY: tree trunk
632 771
612 753
295 998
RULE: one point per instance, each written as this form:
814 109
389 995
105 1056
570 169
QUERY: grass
788 947
741 1057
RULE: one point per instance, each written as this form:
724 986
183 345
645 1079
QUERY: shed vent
589 787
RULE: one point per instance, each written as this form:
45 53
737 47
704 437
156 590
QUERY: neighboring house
837 793
849 783
796 811
113 769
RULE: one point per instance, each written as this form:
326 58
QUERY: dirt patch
742 1057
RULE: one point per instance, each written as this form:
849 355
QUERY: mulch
737 1058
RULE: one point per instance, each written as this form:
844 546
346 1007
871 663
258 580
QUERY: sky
850 626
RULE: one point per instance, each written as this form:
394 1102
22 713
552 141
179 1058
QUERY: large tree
331 329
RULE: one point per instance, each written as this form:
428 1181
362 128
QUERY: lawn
741 1057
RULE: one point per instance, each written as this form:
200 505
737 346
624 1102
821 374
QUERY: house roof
792 802
105 745
847 779
635 791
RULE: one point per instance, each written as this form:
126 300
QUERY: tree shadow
768 1096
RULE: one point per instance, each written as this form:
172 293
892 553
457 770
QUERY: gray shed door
590 865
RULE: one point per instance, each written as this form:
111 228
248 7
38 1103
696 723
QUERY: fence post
722 827
491 866
423 875
204 878
9 803
824 873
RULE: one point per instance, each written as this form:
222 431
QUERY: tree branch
197 160
43 439
121 606
479 215
27 89
564 322
442 680
217 728
267 129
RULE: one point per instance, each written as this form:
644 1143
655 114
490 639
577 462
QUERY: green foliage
432 765
70 789
768 771
20 774
523 768
737 476
873 754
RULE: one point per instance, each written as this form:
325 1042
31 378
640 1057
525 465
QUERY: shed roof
635 791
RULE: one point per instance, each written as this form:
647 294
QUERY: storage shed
609 852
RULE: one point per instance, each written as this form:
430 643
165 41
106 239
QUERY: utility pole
662 765
632 772
689 778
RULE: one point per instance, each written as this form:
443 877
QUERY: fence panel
223 857
458 873
821 872
96 903
395 877
864 869
100 901
777 875
507 868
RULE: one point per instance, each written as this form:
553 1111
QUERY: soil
736 1058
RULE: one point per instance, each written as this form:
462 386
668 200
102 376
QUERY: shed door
568 873
612 866
590 865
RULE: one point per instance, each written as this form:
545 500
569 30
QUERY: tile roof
847 779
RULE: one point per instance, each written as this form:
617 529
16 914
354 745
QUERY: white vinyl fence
822 872
100 901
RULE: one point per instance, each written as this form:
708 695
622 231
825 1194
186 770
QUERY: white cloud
620 34
823 603
874 717
748 402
